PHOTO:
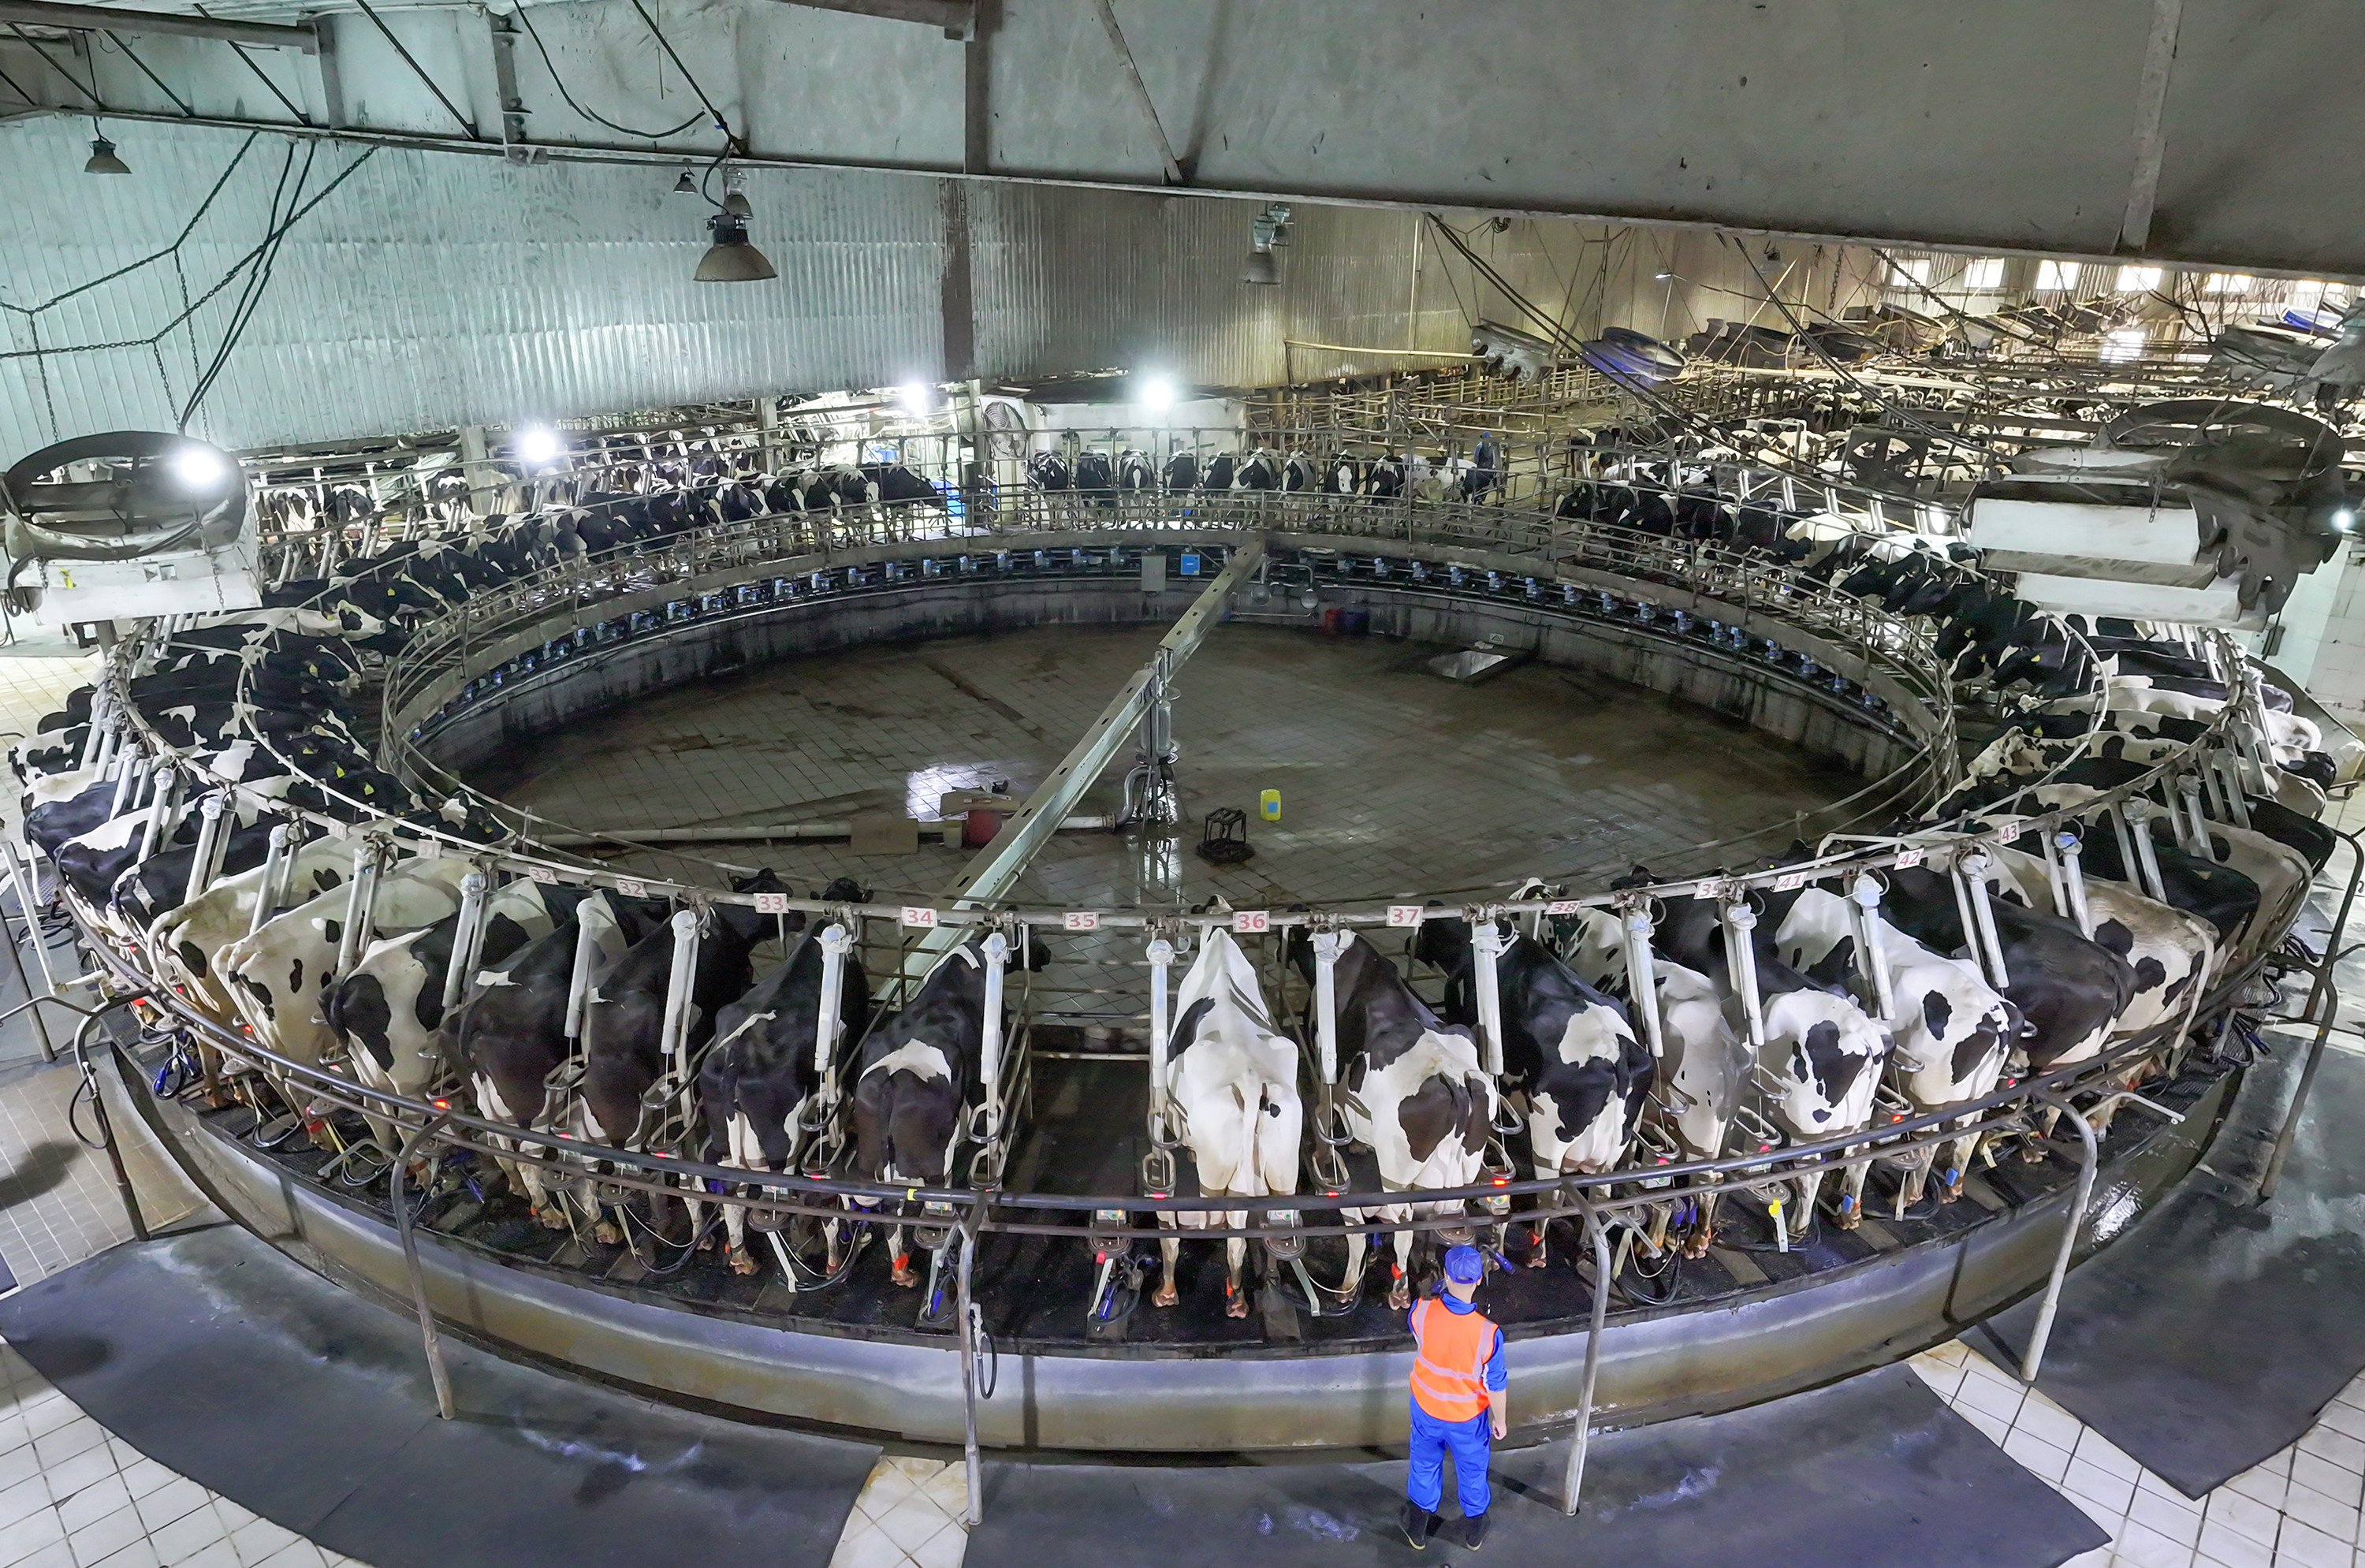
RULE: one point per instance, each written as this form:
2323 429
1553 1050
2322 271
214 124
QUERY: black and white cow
1233 1076
914 1083
1572 1066
1418 1096
389 1006
624 1017
510 1032
760 1076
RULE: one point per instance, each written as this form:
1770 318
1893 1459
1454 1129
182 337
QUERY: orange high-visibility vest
1449 1369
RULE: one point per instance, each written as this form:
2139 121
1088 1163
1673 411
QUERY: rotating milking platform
1743 1327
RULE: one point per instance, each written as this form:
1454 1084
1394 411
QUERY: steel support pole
2285 1134
997 955
106 1126
1641 977
1328 945
835 943
1865 895
999 865
403 1223
465 939
2089 1155
1573 1479
1486 946
1161 963
972 1468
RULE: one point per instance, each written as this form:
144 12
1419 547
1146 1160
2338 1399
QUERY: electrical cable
1986 453
524 15
731 143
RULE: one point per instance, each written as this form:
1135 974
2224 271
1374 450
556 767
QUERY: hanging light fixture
103 160
687 185
1271 228
732 259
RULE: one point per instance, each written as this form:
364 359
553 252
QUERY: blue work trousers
1471 1444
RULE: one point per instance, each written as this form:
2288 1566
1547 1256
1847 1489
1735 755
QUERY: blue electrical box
1190 567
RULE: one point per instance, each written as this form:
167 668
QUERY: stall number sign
1563 906
1908 858
1080 920
919 919
542 874
1247 922
630 889
771 903
1404 914
1790 881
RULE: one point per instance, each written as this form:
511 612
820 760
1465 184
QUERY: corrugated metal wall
429 290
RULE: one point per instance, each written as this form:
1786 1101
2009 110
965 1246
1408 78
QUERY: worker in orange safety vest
1459 1402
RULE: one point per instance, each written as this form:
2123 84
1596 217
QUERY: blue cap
1463 1266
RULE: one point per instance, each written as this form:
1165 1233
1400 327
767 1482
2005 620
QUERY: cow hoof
551 1218
2034 1153
1165 1295
1236 1304
1399 1298
1536 1259
743 1261
1699 1244
1951 1192
606 1235
904 1274
1848 1218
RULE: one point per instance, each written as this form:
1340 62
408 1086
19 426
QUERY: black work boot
1417 1522
1473 1532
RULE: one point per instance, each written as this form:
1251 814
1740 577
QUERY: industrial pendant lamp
103 160
1271 228
731 258
686 186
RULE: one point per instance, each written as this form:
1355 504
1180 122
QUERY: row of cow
1795 1008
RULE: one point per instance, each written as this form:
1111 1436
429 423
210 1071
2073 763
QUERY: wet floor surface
1394 781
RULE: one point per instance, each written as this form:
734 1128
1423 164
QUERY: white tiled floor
908 1515
2298 1510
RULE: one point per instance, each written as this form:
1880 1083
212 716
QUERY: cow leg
903 1273
1170 1248
1703 1230
1236 1257
2031 1149
1400 1287
1358 1253
1852 1194
1915 1180
1810 1189
1536 1259
735 1216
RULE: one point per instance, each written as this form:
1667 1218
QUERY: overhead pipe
2073 881
468 938
266 893
673 1032
1328 945
361 905
579 980
1977 863
1486 946
997 954
1865 895
1161 961
1741 959
2139 814
1641 979
209 828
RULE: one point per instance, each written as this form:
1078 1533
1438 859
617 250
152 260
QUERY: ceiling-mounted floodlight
103 160
1157 394
198 469
538 446
1270 227
914 397
731 258
687 185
